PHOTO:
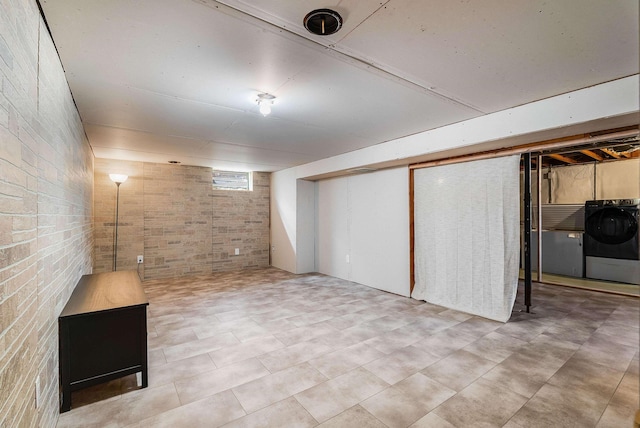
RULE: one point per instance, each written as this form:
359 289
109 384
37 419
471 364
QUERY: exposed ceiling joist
562 158
592 155
611 153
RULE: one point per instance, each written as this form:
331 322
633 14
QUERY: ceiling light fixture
265 101
322 22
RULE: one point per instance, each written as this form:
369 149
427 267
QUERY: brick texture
171 215
46 219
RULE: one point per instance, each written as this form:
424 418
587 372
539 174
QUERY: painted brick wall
171 215
46 229
241 220
177 220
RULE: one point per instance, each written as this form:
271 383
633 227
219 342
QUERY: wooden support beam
562 158
592 155
611 153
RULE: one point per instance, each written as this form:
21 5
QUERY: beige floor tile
459 369
555 407
171 338
127 409
431 420
215 328
339 362
401 364
292 355
480 403
523 328
603 350
218 380
622 407
444 342
495 346
156 357
334 396
197 347
407 401
352 319
210 412
315 317
243 351
173 371
355 416
305 333
386 323
432 323
284 414
476 326
269 389
618 334
522 373
249 331
592 382
395 340
454 315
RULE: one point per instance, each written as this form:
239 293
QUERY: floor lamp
118 179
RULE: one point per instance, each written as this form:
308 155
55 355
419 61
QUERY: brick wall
241 220
46 232
171 215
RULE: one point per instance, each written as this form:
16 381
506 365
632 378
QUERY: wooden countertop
104 292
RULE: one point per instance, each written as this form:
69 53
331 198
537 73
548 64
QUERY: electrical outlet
237 251
347 258
140 259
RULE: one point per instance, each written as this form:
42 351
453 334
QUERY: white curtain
467 236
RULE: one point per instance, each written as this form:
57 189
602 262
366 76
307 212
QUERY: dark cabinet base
99 346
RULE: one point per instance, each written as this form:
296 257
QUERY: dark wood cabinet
102 332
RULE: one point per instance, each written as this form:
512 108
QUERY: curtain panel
467 236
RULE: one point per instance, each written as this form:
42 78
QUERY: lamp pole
118 179
115 243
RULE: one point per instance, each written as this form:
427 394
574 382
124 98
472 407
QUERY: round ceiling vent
323 22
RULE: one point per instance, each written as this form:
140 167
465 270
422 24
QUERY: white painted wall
332 233
379 230
365 218
576 111
284 222
306 222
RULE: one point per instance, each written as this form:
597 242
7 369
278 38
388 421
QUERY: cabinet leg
65 406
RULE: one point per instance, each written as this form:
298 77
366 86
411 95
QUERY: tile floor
265 348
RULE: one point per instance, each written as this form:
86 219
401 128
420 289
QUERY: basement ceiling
161 80
606 151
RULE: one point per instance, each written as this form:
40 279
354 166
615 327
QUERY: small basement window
232 180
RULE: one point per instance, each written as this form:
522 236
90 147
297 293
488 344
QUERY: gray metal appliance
562 252
612 237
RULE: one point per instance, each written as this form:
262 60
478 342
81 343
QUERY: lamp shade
118 178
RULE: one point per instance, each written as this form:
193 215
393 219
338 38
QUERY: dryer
611 240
